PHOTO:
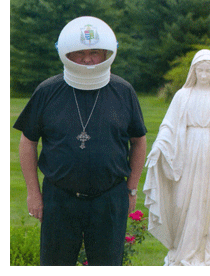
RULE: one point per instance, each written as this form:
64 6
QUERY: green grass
151 252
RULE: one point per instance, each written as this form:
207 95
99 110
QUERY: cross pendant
83 137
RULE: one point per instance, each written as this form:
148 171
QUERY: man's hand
35 205
132 203
28 161
137 159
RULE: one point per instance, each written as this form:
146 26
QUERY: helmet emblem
89 35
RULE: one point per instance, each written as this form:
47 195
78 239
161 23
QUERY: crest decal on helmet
89 35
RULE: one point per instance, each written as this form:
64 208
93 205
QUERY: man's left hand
132 203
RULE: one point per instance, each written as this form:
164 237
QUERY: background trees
151 34
167 29
35 27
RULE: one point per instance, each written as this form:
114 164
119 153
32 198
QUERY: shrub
136 231
24 246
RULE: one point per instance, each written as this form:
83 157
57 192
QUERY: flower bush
135 233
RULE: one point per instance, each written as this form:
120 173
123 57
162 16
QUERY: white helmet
84 33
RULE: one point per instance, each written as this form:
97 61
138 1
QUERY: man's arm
29 161
137 160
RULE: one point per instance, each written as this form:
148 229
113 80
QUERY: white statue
177 185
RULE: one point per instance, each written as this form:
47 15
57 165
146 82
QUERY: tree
35 27
166 29
151 34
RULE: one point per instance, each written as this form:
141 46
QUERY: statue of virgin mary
177 184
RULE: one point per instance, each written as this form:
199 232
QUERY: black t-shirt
52 114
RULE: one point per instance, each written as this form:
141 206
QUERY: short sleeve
30 119
137 127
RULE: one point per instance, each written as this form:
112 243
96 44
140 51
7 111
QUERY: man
85 117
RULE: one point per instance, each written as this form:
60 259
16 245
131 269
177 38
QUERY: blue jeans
67 219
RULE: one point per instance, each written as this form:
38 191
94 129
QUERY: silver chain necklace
83 137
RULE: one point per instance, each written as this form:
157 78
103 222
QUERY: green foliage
136 232
35 27
151 34
24 246
168 28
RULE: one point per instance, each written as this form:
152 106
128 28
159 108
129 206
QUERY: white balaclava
84 33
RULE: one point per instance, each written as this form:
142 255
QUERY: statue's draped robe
177 185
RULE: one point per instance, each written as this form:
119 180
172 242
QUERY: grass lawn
151 251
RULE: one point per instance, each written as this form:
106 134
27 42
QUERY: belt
85 196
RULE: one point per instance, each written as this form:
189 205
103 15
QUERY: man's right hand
35 205
29 161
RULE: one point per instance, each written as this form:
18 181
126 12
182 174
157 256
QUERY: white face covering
85 33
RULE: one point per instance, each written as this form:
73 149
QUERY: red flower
130 239
85 263
136 216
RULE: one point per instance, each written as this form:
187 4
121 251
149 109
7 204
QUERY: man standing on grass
85 118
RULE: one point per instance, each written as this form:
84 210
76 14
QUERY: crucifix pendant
83 137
